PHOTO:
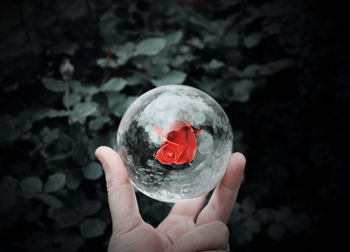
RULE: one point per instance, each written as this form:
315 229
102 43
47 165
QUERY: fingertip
239 159
100 151
234 172
220 228
108 158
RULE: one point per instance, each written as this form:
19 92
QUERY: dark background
280 69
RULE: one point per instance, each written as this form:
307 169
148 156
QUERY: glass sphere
175 142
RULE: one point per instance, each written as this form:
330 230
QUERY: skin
188 228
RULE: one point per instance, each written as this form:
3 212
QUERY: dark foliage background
280 69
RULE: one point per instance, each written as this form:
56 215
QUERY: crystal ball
175 142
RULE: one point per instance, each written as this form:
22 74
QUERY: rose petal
179 146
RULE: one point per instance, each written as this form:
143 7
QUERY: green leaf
73 182
173 77
106 63
119 103
9 131
90 207
31 185
50 200
247 229
114 84
252 40
55 182
50 113
53 85
90 228
125 52
276 231
98 123
49 135
150 46
298 223
7 193
92 171
65 217
213 65
242 90
71 100
274 66
248 206
84 109
174 38
66 47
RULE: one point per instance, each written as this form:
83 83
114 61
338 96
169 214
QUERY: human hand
187 228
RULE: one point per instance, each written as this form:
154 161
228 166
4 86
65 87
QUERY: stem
66 95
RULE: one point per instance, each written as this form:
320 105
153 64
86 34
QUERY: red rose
178 142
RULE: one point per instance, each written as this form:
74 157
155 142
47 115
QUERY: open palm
188 227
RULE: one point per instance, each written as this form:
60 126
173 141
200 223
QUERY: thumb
121 195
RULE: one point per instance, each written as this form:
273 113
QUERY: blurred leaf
8 128
92 171
106 63
73 182
50 200
213 65
49 135
119 103
250 71
66 47
171 78
31 185
90 207
79 152
247 229
298 223
84 109
71 100
283 215
98 123
55 182
150 46
53 85
114 84
91 228
242 90
248 206
125 52
276 231
77 87
252 40
65 217
196 42
7 193
50 113
274 66
174 38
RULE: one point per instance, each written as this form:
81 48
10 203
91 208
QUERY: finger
224 196
188 208
121 196
182 215
210 236
215 250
